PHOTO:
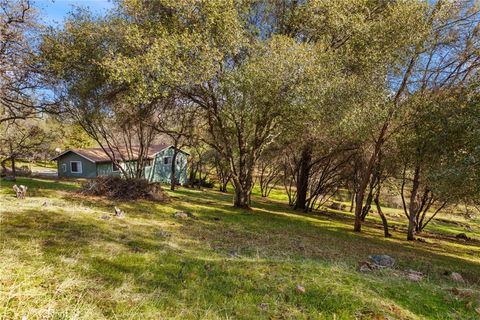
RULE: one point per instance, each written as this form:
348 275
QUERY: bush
202 183
115 187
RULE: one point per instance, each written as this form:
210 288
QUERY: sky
52 12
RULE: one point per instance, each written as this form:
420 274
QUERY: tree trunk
357 226
241 198
14 169
223 185
303 176
413 205
4 166
173 176
368 204
352 202
382 216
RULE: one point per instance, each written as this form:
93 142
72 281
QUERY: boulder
118 212
462 236
462 293
233 253
365 266
184 215
382 260
457 277
164 234
181 215
300 289
263 306
415 276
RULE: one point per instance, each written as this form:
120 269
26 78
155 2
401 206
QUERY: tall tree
24 138
22 83
109 110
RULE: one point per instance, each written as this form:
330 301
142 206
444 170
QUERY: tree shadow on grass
267 240
276 230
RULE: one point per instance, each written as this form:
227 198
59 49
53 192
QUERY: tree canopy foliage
321 95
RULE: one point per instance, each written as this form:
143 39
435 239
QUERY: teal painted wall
89 169
160 172
106 169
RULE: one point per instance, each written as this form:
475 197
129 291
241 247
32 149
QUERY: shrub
202 183
115 187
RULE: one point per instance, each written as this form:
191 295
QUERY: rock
44 204
105 217
184 215
457 277
365 266
300 289
263 306
477 310
415 276
118 212
421 240
233 253
137 249
383 260
164 234
181 215
462 236
462 293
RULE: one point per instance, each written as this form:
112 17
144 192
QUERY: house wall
106 169
89 169
160 172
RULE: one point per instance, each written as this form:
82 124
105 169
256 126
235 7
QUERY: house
94 162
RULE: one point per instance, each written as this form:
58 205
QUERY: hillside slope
65 257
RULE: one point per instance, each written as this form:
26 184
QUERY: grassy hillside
65 257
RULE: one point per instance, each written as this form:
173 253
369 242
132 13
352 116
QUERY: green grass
37 166
62 260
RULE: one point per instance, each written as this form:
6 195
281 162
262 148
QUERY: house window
64 167
167 160
115 168
76 167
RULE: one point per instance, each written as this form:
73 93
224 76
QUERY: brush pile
123 189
